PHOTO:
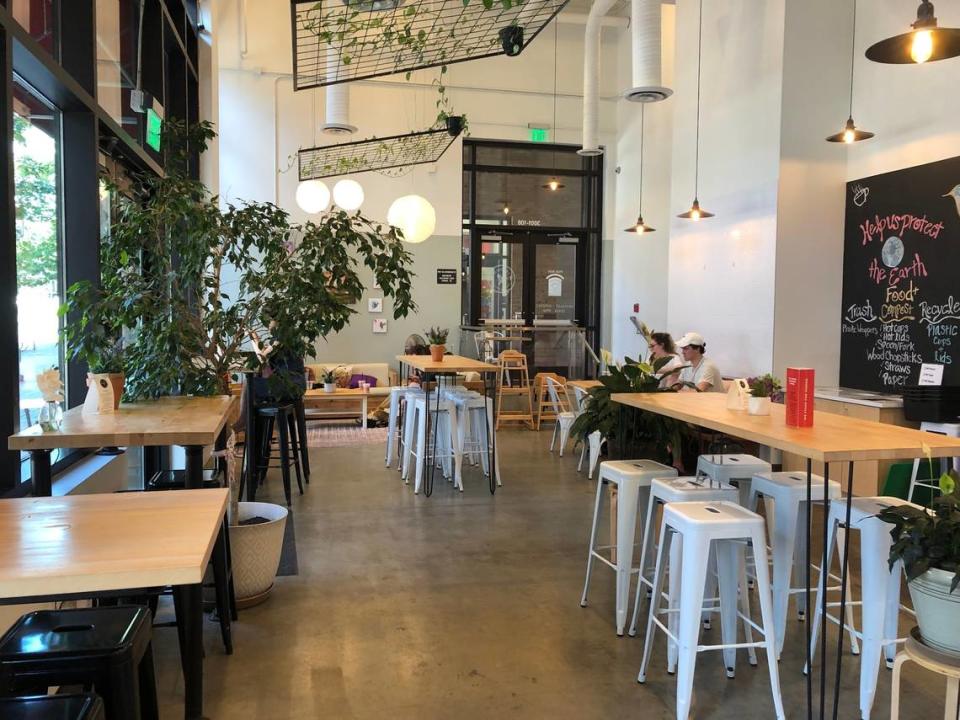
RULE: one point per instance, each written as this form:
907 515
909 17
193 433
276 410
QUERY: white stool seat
632 479
474 427
733 468
394 431
443 417
880 604
692 530
931 659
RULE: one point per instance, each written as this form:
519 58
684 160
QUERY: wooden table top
449 364
165 421
832 438
584 384
109 541
338 394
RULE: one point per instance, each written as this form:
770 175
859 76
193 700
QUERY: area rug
332 436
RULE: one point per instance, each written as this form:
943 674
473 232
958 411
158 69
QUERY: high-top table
83 546
452 365
192 422
832 438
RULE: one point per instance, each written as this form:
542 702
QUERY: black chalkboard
901 277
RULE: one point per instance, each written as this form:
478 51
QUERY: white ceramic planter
255 550
938 610
758 405
329 387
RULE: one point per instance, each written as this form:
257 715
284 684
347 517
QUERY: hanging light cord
555 34
696 171
642 115
853 54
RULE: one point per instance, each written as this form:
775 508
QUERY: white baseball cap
691 338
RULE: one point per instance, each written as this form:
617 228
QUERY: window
118 30
39 284
39 18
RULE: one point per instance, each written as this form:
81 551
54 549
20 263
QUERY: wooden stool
513 380
932 659
547 407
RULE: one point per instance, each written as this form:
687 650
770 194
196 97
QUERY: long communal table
832 439
83 546
450 366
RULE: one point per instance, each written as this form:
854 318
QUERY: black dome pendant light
641 227
696 212
925 43
851 133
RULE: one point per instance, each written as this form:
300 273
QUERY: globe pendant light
851 133
925 43
641 227
313 196
348 195
695 212
414 216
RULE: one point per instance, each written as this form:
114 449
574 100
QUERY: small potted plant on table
762 389
927 541
329 379
437 338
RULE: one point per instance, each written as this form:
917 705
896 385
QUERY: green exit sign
154 125
539 135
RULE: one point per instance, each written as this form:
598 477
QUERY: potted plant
437 338
762 390
329 379
927 542
95 338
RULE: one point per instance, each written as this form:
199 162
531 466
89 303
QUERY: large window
39 18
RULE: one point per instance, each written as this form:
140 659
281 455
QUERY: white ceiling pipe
338 100
591 75
645 37
575 18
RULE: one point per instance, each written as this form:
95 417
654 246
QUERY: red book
799 397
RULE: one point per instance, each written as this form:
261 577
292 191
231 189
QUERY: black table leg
194 472
807 601
844 562
490 391
222 582
301 414
824 570
190 621
40 473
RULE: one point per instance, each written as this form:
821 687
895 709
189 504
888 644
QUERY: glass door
502 277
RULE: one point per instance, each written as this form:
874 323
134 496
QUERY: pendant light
851 133
695 212
925 43
640 227
554 184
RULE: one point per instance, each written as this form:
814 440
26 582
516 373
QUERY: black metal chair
282 417
52 707
108 649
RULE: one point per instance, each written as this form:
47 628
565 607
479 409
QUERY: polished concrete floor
466 606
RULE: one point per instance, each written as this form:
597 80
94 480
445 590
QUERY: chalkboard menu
901 277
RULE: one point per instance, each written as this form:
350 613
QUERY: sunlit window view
38 255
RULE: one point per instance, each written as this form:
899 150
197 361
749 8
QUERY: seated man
700 372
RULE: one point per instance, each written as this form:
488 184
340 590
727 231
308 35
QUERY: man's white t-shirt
673 365
707 371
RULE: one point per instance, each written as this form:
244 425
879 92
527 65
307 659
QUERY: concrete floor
466 606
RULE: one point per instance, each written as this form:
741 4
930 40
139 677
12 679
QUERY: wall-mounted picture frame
379 326
375 305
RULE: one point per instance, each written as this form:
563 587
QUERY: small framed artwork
375 305
379 326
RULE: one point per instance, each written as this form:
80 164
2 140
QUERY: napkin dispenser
738 395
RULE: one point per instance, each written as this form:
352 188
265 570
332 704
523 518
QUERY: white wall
263 122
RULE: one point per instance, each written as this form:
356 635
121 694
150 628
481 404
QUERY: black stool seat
107 648
52 707
177 480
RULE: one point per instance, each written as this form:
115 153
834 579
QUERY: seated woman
661 346
700 372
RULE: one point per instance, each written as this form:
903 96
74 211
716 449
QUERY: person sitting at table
661 346
700 372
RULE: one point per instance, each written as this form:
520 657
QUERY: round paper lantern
313 196
348 195
414 216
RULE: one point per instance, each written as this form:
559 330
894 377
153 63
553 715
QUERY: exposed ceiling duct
338 100
645 37
591 75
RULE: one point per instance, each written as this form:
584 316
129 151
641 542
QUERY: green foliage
36 213
328 376
191 286
928 538
437 336
662 434
764 386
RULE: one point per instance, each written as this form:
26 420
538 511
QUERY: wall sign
901 298
446 276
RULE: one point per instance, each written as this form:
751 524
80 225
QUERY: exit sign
539 135
154 125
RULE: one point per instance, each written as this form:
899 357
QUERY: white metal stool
680 489
405 416
880 593
788 493
931 659
394 439
594 442
632 479
733 468
565 418
697 527
443 428
474 427
948 429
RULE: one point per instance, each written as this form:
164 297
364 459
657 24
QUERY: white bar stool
591 448
565 418
948 429
788 493
632 479
394 436
474 427
699 527
880 593
444 423
733 468
931 659
672 490
405 400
